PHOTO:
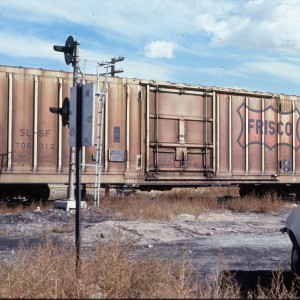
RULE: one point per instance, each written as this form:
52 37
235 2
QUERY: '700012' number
29 146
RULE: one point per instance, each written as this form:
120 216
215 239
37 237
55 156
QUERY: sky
244 44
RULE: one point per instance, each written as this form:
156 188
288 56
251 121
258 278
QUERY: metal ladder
101 100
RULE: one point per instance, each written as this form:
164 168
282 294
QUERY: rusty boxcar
157 135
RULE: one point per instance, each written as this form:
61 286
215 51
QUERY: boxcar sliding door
180 131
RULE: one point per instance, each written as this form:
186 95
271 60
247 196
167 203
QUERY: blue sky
252 44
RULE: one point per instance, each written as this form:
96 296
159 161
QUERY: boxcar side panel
270 137
133 131
224 155
4 100
115 156
22 129
254 138
37 142
47 135
296 136
238 135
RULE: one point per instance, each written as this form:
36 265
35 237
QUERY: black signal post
78 174
71 53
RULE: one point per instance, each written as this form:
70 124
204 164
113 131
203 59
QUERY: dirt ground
219 240
249 245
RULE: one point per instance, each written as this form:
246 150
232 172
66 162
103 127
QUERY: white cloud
250 24
253 24
287 71
211 35
147 70
17 45
160 49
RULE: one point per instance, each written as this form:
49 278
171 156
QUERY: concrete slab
67 204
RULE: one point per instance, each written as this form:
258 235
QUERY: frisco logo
275 124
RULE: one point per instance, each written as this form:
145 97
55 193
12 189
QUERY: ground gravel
223 239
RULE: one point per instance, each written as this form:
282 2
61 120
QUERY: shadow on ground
249 280
9 246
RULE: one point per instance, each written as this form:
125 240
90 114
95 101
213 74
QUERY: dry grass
113 271
4 208
268 203
278 290
48 271
66 228
163 206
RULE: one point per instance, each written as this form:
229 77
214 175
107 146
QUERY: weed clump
113 271
166 205
110 271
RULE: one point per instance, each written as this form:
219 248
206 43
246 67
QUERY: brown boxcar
157 135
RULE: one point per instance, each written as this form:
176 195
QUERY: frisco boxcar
156 135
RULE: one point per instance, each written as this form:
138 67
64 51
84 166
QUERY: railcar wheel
45 192
295 260
37 192
246 190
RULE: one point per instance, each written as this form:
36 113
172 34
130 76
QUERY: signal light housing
64 111
68 49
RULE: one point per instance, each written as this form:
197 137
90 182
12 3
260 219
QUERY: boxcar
156 135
